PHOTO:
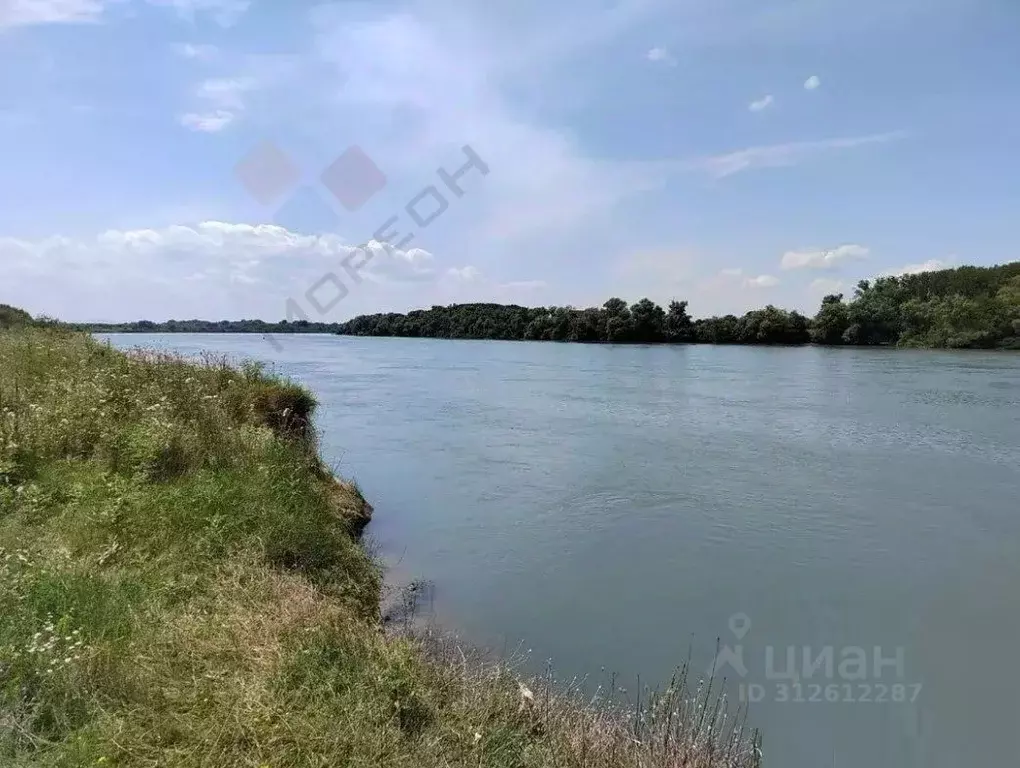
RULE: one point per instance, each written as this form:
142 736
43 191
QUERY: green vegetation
12 317
181 585
977 307
952 308
209 326
965 307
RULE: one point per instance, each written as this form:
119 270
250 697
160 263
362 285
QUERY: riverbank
181 584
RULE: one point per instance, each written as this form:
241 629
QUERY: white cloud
736 275
658 273
390 264
155 271
763 103
542 184
224 12
694 274
932 265
823 258
227 93
762 281
207 122
473 276
823 286
812 83
467 274
16 13
193 51
470 284
720 291
784 155
661 55
225 100
423 83
552 33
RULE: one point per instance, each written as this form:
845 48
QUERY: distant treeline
975 307
211 326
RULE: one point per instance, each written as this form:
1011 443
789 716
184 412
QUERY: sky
227 159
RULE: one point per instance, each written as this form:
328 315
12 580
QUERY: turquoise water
610 508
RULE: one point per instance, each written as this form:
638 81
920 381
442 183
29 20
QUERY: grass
181 585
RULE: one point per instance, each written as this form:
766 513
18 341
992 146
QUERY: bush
12 317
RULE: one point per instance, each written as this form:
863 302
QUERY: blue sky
729 152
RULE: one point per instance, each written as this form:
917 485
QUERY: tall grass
181 585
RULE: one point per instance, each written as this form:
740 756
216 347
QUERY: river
611 507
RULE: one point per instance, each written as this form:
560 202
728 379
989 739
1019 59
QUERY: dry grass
565 724
180 586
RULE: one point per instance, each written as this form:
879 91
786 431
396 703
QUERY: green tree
875 312
615 306
678 326
586 326
618 321
831 322
647 321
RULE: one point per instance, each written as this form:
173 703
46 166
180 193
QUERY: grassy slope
180 585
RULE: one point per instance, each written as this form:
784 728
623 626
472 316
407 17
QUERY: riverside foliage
181 585
976 307
953 308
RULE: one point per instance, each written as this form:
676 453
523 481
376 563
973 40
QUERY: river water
613 508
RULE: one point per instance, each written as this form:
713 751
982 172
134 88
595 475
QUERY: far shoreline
961 308
640 344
